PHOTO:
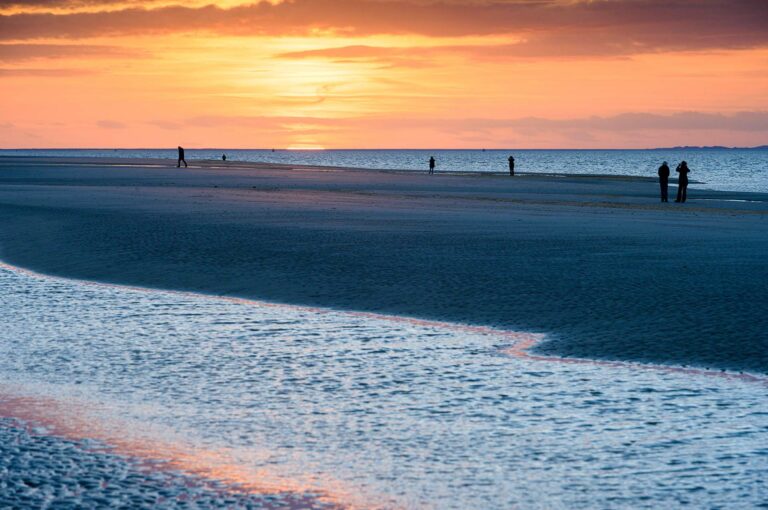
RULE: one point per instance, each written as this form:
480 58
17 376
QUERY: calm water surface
732 170
398 413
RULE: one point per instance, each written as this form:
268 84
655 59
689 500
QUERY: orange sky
383 73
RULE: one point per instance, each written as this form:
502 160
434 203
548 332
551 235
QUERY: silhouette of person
223 157
511 166
664 181
682 185
431 165
181 158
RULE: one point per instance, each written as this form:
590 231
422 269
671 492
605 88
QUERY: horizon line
285 149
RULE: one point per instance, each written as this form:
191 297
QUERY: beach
595 262
352 331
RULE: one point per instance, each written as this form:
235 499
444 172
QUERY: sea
717 169
373 411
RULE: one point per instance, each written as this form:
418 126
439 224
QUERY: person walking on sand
664 181
181 158
431 165
512 166
682 182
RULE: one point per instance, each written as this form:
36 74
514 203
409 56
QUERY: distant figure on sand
431 165
223 157
181 158
664 181
511 166
682 186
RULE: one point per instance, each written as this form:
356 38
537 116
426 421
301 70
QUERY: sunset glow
383 73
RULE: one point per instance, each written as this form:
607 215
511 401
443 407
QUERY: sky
311 74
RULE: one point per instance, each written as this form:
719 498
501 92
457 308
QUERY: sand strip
595 263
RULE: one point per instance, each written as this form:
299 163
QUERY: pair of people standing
682 186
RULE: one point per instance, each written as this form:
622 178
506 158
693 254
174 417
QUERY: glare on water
383 410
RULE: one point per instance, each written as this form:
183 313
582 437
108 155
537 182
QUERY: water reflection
396 412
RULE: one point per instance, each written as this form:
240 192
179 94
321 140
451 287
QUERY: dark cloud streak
602 27
746 121
47 73
695 121
20 51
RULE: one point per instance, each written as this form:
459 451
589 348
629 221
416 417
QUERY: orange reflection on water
76 420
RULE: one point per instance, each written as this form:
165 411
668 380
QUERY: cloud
694 121
267 123
70 5
548 26
168 125
425 56
59 3
351 52
110 124
48 73
12 52
747 121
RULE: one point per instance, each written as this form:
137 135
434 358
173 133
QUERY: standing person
664 181
223 157
511 166
682 185
181 158
431 165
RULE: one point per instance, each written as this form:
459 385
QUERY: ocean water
730 170
382 411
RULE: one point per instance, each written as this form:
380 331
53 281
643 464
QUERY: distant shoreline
276 149
255 165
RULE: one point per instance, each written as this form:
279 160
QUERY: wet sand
596 263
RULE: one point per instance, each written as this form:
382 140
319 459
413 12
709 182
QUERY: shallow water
389 412
729 170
